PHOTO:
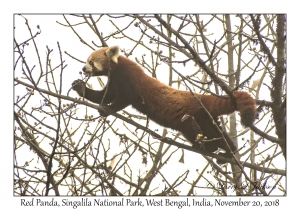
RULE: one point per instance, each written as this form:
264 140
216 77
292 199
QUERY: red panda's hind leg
246 105
247 118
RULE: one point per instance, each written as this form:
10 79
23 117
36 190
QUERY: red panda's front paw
79 87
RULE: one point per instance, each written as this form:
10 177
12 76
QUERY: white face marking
89 69
98 66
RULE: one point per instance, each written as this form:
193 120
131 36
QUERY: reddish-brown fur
129 85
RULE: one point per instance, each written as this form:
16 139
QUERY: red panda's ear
113 53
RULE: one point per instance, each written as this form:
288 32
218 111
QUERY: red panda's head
98 63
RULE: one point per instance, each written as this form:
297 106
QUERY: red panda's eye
91 62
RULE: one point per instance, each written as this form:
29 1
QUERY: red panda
129 85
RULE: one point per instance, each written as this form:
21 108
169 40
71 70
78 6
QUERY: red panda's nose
83 69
